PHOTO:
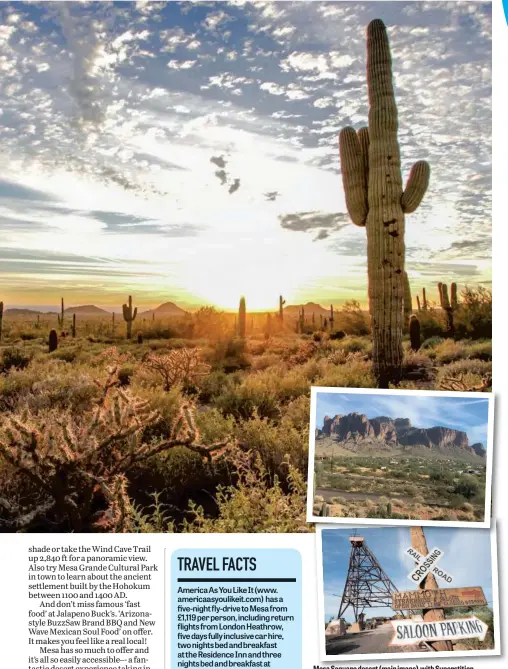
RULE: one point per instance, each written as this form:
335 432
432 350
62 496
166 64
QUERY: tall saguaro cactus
448 304
242 318
372 178
129 316
282 302
62 311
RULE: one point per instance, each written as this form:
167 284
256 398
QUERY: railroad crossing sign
427 564
443 598
410 631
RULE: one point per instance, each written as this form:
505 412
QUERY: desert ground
195 425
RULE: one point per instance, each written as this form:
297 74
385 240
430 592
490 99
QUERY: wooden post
419 543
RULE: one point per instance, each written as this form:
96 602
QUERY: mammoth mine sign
442 598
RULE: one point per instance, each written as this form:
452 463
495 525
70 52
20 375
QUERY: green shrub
14 358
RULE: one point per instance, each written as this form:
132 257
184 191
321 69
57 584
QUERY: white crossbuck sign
427 564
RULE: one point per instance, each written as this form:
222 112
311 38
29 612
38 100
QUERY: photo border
487 517
366 657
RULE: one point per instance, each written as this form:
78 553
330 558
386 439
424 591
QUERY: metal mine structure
367 585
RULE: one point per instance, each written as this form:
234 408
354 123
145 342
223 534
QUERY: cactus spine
73 326
414 333
242 318
52 341
129 316
370 163
1 318
282 302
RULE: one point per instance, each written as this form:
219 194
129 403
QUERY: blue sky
461 413
467 557
145 145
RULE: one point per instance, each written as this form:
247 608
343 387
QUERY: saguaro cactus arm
416 186
354 175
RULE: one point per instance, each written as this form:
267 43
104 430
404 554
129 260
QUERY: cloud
310 220
119 106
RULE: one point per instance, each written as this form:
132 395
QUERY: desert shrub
465 375
432 323
125 374
178 367
481 350
473 318
265 361
157 330
450 351
416 361
230 355
352 320
257 503
352 344
209 323
28 335
467 487
276 444
14 358
350 375
67 353
80 467
431 343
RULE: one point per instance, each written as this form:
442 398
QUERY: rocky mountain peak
397 432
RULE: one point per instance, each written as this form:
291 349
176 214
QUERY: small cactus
242 318
113 323
140 337
331 317
323 512
448 305
268 327
73 330
1 318
424 300
414 333
129 316
53 341
282 302
389 510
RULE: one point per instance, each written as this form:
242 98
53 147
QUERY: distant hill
22 312
309 308
166 310
86 310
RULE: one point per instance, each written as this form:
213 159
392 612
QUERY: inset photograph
407 457
407 591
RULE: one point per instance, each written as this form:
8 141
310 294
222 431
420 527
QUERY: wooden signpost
419 544
443 598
